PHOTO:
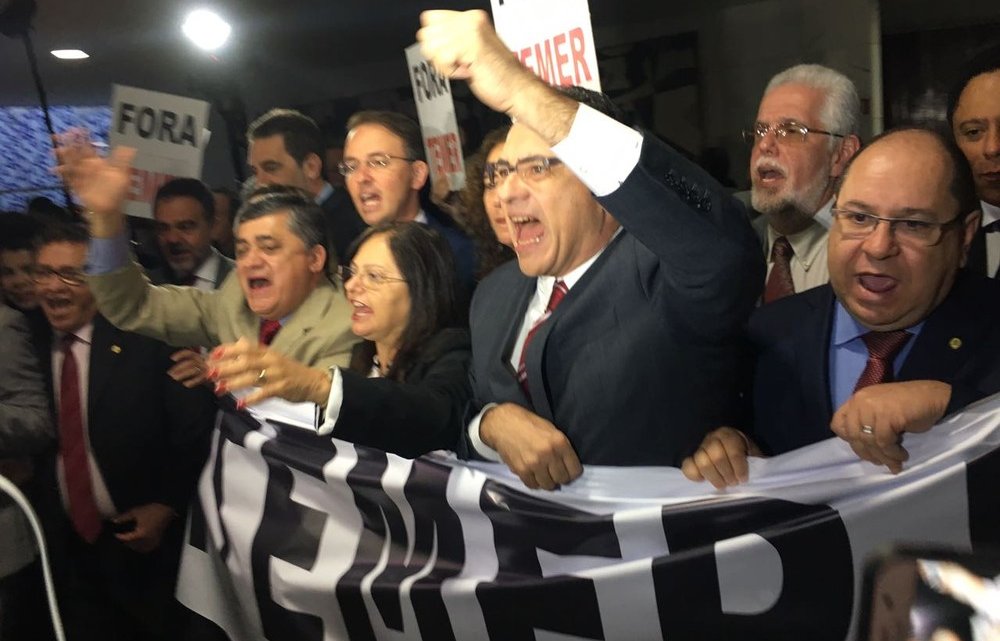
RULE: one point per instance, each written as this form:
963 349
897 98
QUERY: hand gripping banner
294 536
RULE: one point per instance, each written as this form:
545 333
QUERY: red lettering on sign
445 154
552 63
145 184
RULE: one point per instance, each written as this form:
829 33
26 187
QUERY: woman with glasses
481 209
407 386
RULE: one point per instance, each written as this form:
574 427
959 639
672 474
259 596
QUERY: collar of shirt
421 217
544 284
991 213
324 193
209 268
84 334
846 328
808 243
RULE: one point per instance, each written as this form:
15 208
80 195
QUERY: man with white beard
804 136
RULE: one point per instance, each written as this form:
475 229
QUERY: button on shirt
808 263
81 350
849 354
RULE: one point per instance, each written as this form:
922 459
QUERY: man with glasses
131 444
804 136
285 147
974 117
385 170
901 337
614 338
281 292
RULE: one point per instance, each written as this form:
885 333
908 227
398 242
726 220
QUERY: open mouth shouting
527 231
877 285
769 174
371 201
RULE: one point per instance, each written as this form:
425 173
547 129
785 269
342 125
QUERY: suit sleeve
410 418
180 316
189 421
709 258
25 420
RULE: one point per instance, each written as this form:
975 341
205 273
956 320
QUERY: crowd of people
591 298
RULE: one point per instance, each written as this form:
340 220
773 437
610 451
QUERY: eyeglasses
71 277
788 131
530 169
370 279
375 162
856 224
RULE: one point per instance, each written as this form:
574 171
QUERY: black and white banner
298 537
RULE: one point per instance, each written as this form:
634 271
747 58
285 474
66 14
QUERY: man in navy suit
614 338
132 442
900 338
385 169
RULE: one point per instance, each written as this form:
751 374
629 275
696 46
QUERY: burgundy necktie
883 347
268 329
72 447
779 281
559 290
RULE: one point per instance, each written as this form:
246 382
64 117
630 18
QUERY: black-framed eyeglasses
910 231
375 162
71 277
530 169
788 131
370 278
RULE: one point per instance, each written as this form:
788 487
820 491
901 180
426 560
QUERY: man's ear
317 259
312 167
845 151
420 172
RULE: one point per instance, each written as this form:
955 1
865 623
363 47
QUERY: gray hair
305 217
841 111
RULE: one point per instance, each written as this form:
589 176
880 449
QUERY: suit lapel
947 337
521 292
977 254
105 351
812 352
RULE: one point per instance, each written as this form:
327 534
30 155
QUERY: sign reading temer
552 38
169 134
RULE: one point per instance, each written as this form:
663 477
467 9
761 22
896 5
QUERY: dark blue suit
642 357
792 404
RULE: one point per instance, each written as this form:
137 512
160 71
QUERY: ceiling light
206 29
70 54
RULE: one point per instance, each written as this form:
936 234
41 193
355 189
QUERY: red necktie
779 281
268 329
883 347
73 449
559 290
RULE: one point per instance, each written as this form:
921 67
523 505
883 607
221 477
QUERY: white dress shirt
991 213
81 350
204 278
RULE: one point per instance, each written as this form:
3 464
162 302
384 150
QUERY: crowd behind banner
665 413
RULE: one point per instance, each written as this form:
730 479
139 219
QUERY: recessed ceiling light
70 54
206 29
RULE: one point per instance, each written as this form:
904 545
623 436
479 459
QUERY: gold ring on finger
261 378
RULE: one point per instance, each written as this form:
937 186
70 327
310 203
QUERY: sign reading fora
438 126
169 134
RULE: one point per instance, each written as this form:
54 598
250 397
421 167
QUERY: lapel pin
955 343
116 349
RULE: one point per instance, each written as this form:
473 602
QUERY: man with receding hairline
900 338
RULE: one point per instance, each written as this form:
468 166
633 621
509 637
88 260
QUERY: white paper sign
169 134
552 38
436 111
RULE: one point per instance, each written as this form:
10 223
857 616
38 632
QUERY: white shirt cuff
481 448
605 167
333 402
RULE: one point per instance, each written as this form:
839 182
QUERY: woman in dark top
406 389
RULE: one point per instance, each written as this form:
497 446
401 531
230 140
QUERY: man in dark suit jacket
142 439
974 117
905 216
286 148
661 269
385 171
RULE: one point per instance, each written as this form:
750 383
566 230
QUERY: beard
789 210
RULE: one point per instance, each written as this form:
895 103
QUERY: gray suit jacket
317 334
